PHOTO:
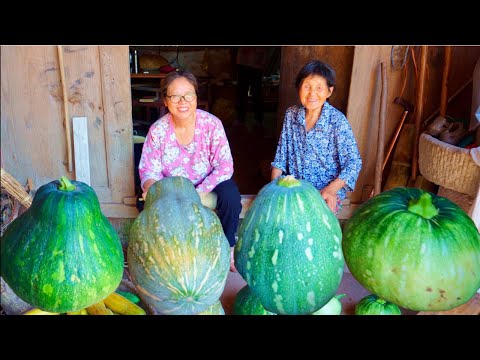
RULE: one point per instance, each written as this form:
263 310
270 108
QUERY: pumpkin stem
381 301
288 181
423 206
65 184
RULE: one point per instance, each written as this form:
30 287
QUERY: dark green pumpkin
414 249
178 255
373 305
289 248
62 254
246 303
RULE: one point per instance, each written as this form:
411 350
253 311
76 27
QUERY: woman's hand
330 198
208 199
146 186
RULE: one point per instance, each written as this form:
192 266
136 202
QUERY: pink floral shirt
206 161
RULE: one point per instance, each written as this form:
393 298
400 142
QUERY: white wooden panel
80 149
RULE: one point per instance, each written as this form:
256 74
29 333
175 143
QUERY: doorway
253 146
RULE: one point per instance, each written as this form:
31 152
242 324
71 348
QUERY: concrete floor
349 286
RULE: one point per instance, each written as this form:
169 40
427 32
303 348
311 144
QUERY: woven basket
448 165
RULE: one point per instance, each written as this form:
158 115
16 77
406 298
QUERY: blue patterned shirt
321 155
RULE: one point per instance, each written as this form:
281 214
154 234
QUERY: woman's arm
276 172
329 193
146 186
150 165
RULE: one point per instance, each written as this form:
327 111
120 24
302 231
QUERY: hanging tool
407 108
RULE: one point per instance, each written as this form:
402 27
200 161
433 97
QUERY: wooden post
381 132
446 70
419 110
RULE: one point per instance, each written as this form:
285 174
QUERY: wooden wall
33 133
293 58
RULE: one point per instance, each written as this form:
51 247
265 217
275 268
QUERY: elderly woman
191 143
317 142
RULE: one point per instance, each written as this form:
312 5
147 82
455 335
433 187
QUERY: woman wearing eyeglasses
192 143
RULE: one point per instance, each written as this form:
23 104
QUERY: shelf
148 76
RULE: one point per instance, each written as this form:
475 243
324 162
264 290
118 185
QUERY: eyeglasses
187 97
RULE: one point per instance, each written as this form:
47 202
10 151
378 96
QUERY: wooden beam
419 108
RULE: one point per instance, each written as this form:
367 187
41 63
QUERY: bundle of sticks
15 189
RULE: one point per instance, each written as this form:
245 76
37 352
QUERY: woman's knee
228 194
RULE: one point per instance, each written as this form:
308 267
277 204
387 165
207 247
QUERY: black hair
171 76
316 67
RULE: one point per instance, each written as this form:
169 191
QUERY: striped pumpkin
62 254
177 254
373 305
414 249
289 248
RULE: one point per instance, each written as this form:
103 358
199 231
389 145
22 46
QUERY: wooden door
33 136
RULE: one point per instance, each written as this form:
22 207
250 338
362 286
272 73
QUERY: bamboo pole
65 107
419 110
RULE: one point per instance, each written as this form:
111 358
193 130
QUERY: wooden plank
32 132
116 95
471 307
80 149
83 76
363 109
130 201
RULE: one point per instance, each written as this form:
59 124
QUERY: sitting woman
317 143
191 143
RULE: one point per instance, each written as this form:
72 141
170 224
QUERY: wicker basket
448 165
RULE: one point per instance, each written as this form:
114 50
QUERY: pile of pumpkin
408 247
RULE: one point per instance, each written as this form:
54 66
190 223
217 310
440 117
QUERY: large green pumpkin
62 254
178 255
289 248
246 303
414 249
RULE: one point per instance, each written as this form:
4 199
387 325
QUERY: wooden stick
446 70
394 139
65 107
419 109
381 132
